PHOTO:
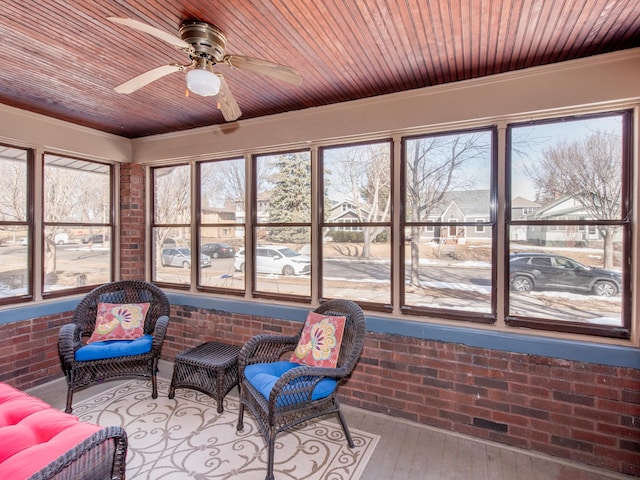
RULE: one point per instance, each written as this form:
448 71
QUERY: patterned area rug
186 438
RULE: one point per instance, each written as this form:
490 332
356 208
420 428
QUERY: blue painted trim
240 306
603 354
36 310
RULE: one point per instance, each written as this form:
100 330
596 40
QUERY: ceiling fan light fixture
202 81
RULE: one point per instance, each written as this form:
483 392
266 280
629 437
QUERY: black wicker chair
290 401
80 374
102 456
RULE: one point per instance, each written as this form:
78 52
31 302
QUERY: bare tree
222 182
434 167
13 190
172 199
376 191
71 195
362 174
589 171
13 194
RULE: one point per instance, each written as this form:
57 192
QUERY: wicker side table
211 368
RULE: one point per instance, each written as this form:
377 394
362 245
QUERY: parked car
95 238
218 250
540 270
169 243
181 257
276 259
61 238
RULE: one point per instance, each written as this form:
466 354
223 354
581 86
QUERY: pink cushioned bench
38 441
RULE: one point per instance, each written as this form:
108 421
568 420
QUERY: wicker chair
80 374
102 456
290 401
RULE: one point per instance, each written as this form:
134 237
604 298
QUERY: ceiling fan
204 44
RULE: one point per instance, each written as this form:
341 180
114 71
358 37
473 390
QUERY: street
447 284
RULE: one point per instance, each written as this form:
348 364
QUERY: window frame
496 225
255 224
29 223
200 225
356 226
623 332
110 225
36 224
490 224
154 225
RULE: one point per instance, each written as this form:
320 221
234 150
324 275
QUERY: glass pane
14 261
566 280
221 244
281 267
355 269
222 191
448 249
284 188
448 177
14 238
357 183
172 195
76 191
76 256
172 255
570 170
13 185
454 274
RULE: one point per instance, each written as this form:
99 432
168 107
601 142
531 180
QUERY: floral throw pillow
119 321
319 344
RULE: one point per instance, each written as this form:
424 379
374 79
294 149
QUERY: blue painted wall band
581 351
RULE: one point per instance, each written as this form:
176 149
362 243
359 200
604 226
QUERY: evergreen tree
291 198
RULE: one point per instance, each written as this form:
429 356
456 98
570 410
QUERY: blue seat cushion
114 348
263 376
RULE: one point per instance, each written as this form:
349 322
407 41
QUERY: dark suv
218 250
539 270
96 238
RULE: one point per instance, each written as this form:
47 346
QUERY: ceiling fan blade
146 78
156 32
226 103
275 70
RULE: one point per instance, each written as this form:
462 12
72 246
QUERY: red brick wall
132 221
29 351
578 411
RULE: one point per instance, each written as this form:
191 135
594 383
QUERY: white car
61 238
276 259
181 257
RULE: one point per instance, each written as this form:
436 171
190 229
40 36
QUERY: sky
535 139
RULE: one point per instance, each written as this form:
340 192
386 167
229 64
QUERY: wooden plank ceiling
62 58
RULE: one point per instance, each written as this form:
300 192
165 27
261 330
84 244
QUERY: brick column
132 221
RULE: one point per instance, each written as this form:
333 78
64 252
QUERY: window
222 203
356 189
171 231
78 224
439 233
576 273
282 227
16 224
449 260
72 251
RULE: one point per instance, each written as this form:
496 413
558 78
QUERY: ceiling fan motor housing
207 41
